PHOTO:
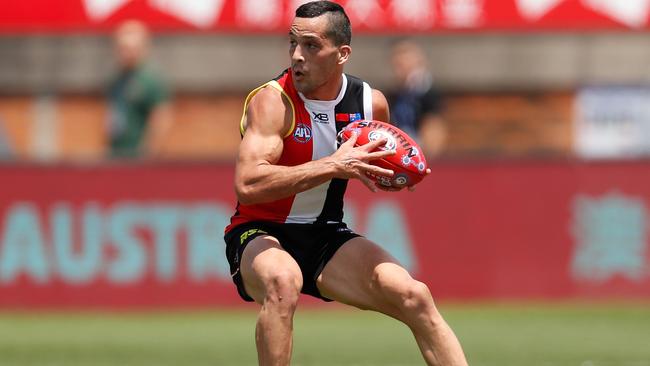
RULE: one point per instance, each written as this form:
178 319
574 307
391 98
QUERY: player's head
319 37
131 43
339 29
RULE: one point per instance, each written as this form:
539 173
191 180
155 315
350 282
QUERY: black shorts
310 245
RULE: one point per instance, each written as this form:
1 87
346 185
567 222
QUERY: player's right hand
352 162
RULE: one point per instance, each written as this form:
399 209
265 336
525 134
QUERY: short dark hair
339 30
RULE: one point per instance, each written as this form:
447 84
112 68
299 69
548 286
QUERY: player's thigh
265 266
364 275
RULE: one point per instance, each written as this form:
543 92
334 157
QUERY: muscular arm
257 177
380 110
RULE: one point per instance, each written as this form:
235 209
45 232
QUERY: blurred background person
140 111
6 150
415 104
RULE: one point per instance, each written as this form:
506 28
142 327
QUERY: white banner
612 122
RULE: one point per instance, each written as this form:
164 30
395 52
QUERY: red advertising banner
125 236
374 16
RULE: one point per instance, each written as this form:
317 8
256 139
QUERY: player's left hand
388 189
397 189
412 188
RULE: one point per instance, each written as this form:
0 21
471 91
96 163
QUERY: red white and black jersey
312 136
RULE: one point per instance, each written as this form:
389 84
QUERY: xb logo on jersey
302 133
321 117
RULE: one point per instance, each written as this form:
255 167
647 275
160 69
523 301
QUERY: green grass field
499 335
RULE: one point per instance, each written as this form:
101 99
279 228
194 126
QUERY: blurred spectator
139 101
415 104
6 149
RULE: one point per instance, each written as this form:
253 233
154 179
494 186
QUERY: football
408 163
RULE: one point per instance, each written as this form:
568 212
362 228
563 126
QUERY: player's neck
328 91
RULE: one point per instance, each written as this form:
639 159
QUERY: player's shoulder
380 107
357 81
267 98
269 109
378 97
354 80
379 101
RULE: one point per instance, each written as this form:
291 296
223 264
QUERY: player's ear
344 54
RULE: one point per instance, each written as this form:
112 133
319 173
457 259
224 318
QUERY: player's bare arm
380 111
257 177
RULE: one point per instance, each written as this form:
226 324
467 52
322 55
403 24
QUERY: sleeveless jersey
312 136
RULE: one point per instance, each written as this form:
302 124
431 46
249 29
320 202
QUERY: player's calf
274 329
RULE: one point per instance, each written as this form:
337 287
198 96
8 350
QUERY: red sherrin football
408 163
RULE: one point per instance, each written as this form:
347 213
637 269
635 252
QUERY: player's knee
415 298
283 289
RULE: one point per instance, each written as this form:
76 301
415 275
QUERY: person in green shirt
140 113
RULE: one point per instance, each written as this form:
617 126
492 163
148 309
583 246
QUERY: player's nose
297 55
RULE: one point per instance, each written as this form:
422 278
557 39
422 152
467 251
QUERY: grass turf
492 334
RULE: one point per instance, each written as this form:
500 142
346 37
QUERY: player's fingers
428 171
351 140
367 182
411 188
380 154
375 170
389 189
372 145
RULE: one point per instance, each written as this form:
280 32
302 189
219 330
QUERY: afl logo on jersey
302 133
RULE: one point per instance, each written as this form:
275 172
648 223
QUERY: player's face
315 60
